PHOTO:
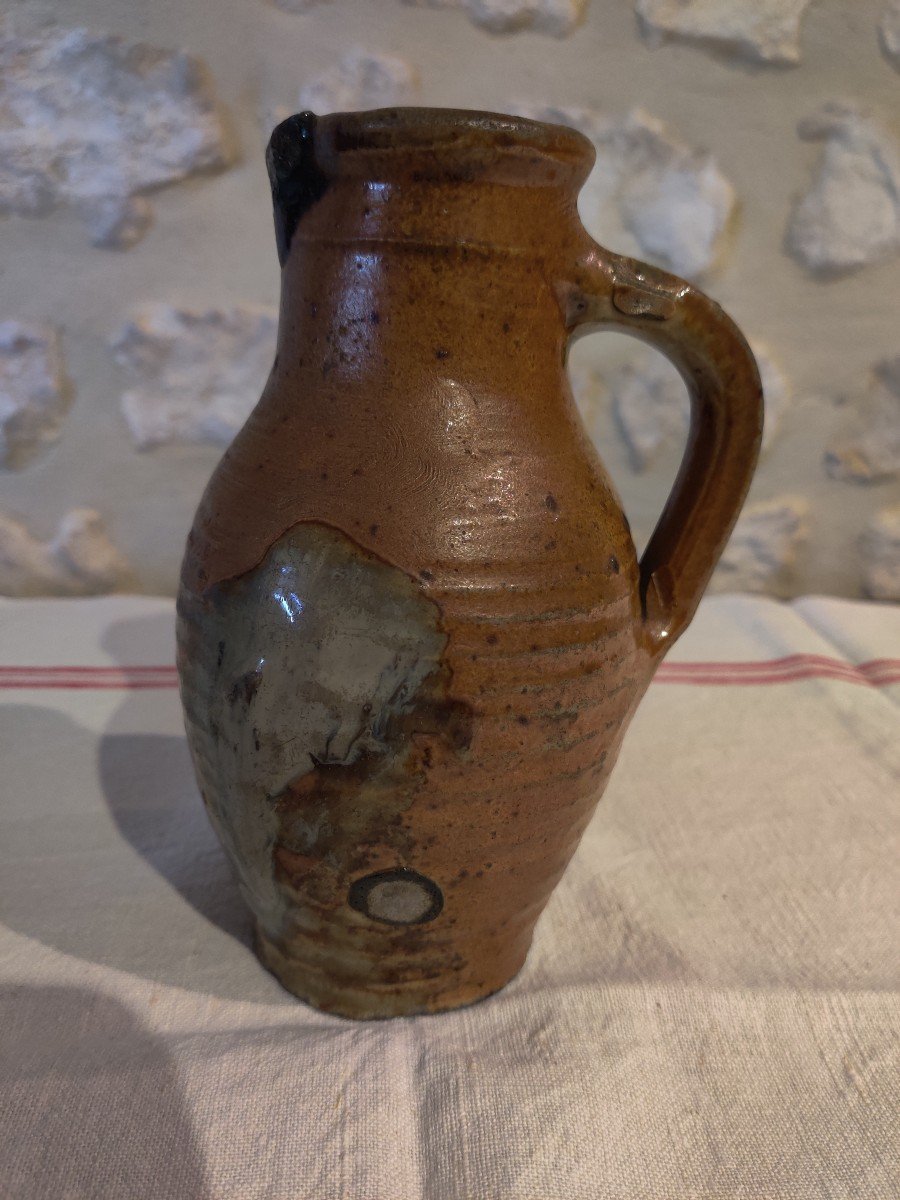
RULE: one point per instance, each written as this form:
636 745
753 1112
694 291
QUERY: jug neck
412 224
353 307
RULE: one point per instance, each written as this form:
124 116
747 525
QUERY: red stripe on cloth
877 672
788 663
76 685
94 678
757 678
90 672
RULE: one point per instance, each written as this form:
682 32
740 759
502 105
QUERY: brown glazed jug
413 625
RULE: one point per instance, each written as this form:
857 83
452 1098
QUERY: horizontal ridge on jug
413 626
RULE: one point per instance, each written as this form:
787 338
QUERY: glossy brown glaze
416 466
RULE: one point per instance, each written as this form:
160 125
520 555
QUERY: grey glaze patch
306 663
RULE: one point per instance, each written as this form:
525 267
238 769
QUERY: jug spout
296 178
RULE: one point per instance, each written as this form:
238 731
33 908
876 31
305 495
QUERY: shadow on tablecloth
151 892
90 1103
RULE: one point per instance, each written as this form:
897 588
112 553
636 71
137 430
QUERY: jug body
412 622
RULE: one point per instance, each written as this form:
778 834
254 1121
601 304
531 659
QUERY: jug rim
307 154
405 128
452 137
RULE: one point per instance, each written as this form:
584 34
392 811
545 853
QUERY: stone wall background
753 147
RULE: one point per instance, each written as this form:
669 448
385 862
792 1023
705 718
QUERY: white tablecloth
709 1010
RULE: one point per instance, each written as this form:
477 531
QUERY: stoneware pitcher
412 625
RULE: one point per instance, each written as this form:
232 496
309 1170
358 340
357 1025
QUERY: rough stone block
554 17
757 30
649 194
362 79
880 549
79 560
298 6
889 31
94 121
850 215
34 392
117 222
869 451
763 548
195 376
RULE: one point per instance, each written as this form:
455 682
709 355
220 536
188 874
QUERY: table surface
709 1009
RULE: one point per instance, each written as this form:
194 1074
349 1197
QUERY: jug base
361 1003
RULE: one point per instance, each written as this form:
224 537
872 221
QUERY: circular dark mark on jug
397 897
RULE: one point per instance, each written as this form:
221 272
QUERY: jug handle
722 378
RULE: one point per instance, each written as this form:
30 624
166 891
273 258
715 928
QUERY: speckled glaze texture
412 623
